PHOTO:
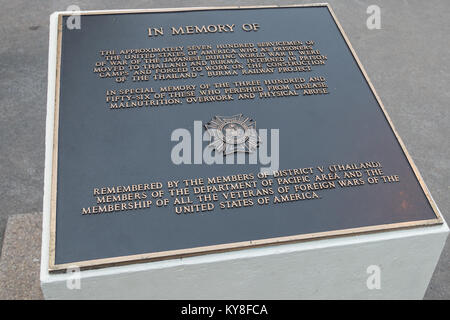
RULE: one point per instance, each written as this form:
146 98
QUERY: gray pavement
20 258
407 61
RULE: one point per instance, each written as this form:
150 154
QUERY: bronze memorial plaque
189 131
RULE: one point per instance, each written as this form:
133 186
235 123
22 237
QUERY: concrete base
19 272
322 269
325 269
316 273
421 116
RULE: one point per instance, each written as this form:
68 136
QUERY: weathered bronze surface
127 80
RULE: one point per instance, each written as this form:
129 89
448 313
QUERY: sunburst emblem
233 134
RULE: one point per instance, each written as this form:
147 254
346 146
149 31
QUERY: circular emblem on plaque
233 134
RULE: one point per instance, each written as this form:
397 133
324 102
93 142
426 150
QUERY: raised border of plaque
155 256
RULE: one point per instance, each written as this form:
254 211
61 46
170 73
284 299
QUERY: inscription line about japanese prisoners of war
216 64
